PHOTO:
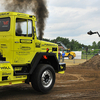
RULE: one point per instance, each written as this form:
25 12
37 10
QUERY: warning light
47 49
45 57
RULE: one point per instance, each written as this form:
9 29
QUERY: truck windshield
4 24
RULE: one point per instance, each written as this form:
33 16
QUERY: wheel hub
47 78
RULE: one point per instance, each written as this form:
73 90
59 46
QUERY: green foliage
90 52
45 39
74 45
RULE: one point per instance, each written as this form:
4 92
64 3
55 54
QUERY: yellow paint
18 68
61 72
6 70
61 67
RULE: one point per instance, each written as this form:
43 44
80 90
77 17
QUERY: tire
70 57
43 78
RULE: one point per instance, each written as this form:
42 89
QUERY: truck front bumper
62 68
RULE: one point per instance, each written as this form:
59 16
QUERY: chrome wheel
47 78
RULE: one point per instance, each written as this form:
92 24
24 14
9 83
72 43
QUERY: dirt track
78 83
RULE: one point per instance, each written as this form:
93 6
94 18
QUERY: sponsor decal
22 53
18 76
3 46
5 22
16 42
37 45
25 41
61 67
4 14
48 45
25 48
5 73
18 68
54 49
5 67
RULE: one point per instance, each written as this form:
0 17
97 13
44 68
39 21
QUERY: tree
74 44
94 45
98 44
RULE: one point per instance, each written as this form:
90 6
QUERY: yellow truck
24 58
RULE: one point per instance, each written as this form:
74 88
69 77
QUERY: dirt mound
94 62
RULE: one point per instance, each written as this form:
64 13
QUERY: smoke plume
38 7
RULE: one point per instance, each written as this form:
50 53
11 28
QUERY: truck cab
18 38
24 58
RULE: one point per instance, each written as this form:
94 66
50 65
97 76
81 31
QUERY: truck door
24 46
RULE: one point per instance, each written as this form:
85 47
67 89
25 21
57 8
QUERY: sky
72 19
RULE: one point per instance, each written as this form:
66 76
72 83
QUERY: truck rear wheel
43 78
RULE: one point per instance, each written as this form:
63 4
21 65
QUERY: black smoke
38 7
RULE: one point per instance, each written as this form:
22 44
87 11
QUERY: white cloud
72 19
86 39
82 38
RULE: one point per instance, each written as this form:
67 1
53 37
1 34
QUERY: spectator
63 55
59 54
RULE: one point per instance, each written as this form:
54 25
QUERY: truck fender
51 58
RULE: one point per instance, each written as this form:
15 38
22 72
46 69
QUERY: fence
88 55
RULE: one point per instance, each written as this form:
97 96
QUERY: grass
88 56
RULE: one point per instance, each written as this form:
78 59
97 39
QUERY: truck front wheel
43 78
